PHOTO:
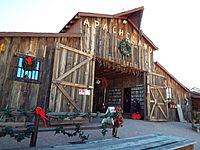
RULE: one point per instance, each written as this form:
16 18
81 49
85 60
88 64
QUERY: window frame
23 79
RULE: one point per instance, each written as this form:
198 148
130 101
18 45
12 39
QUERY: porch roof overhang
112 70
195 95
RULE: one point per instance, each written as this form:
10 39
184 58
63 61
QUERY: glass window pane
22 73
36 75
19 70
38 65
20 62
33 75
29 74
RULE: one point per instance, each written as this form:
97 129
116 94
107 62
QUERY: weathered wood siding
22 94
179 93
103 35
81 78
196 104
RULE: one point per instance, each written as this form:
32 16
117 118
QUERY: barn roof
195 93
167 72
134 16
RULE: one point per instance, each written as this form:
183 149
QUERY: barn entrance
127 100
116 85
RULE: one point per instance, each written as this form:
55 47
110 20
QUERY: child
118 120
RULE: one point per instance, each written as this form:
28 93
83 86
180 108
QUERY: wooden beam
74 68
92 84
34 34
162 111
152 95
152 110
74 50
162 96
57 114
155 74
17 113
77 17
68 97
83 14
12 124
153 86
70 84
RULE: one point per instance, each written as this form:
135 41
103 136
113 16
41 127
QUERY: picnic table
152 141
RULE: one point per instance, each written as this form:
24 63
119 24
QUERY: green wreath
29 63
125 48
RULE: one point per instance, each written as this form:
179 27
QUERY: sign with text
84 92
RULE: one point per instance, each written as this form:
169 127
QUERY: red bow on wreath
29 61
41 112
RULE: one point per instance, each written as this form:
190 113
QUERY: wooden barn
176 93
95 61
195 97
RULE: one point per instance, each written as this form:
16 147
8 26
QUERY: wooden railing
21 130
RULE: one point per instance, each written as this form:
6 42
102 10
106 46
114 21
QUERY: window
169 93
31 75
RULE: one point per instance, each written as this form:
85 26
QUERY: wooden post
145 95
92 84
35 133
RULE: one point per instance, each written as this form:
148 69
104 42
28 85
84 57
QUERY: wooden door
73 70
157 102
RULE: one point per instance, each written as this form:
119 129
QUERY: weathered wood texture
71 72
195 97
152 141
180 94
103 35
25 95
156 103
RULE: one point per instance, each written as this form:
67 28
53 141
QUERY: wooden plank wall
104 35
178 92
81 78
21 94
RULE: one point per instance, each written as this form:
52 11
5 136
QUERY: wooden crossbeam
74 50
70 84
152 95
161 95
68 97
74 68
162 111
152 110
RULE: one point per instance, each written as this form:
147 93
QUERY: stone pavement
131 128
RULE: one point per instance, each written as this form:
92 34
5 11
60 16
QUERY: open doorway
99 95
127 100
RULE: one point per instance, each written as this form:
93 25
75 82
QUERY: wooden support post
35 133
145 96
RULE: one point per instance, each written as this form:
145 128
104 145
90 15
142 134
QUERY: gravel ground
131 128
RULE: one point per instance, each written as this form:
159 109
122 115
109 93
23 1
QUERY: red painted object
41 112
136 116
29 61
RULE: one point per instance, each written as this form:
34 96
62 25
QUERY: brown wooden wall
65 89
103 35
21 94
179 93
196 104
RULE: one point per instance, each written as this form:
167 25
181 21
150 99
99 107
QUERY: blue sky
172 25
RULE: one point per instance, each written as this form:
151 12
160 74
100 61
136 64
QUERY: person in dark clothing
136 106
